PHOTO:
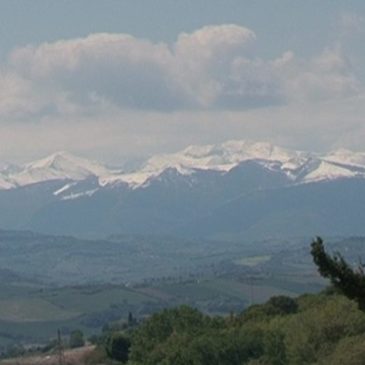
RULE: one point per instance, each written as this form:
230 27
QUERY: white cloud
214 67
202 60
211 68
117 68
327 76
16 95
351 23
114 96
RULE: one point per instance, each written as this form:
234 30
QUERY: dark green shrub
117 347
76 339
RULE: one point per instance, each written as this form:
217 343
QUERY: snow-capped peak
58 166
223 156
51 160
66 164
220 157
299 166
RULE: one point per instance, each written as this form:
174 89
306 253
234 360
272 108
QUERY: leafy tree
349 351
275 351
351 282
148 339
314 332
185 336
281 305
117 347
76 339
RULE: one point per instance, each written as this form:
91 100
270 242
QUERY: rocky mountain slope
238 187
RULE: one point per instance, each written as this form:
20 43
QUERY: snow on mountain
299 166
220 157
64 188
78 195
58 166
5 184
346 157
5 170
328 171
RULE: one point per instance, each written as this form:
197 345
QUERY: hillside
50 282
321 329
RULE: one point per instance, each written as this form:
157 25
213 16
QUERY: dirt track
72 357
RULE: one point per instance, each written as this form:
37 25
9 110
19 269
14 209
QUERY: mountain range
230 190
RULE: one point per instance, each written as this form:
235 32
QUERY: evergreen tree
349 281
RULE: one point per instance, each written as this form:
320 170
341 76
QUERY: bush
117 347
349 351
281 305
76 339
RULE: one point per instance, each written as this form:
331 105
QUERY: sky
122 80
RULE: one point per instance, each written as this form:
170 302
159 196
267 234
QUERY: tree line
324 328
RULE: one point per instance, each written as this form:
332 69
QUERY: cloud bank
213 68
113 97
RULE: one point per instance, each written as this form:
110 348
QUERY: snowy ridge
346 157
58 166
222 157
300 167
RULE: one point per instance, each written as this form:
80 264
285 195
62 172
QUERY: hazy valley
51 282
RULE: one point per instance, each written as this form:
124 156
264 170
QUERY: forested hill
317 329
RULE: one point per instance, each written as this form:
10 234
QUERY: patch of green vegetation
194 289
312 329
91 299
252 261
31 314
253 289
33 310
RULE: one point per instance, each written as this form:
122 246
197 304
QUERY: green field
252 261
33 315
